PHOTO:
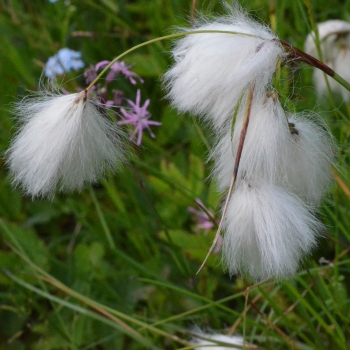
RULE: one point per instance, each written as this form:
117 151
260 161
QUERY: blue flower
65 60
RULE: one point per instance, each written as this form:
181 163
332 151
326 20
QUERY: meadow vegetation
114 266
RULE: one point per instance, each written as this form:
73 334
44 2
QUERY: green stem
314 28
102 219
171 36
294 53
341 81
235 170
318 41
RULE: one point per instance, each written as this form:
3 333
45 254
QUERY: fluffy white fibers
294 153
214 339
341 65
268 230
265 144
305 170
334 38
63 143
212 70
333 34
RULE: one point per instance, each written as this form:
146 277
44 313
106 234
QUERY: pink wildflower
116 68
201 217
205 222
139 117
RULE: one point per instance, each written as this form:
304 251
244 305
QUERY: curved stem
341 81
306 58
235 170
171 36
294 53
314 62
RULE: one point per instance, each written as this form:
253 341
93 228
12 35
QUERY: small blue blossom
65 60
53 1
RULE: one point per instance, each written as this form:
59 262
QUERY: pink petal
150 122
139 139
112 74
101 65
131 103
116 66
138 97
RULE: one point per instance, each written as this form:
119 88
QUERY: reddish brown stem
302 56
243 134
235 171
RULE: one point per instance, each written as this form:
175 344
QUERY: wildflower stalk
235 170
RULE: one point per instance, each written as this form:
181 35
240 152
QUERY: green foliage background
114 267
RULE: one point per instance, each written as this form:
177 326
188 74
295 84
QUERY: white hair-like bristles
310 152
63 143
294 152
268 231
265 142
212 71
216 341
334 38
331 33
340 65
284 166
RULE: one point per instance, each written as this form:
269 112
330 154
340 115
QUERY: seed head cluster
280 161
274 165
63 143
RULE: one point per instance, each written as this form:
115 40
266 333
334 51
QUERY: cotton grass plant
334 50
269 214
114 266
216 341
63 144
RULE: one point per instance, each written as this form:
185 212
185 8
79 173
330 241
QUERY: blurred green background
114 267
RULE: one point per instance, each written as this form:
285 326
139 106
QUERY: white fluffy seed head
212 340
267 232
333 35
264 146
64 142
335 47
341 65
212 70
310 152
294 153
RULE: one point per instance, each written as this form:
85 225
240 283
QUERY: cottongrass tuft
310 152
277 164
265 142
212 71
334 38
289 157
268 231
64 143
291 150
216 341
